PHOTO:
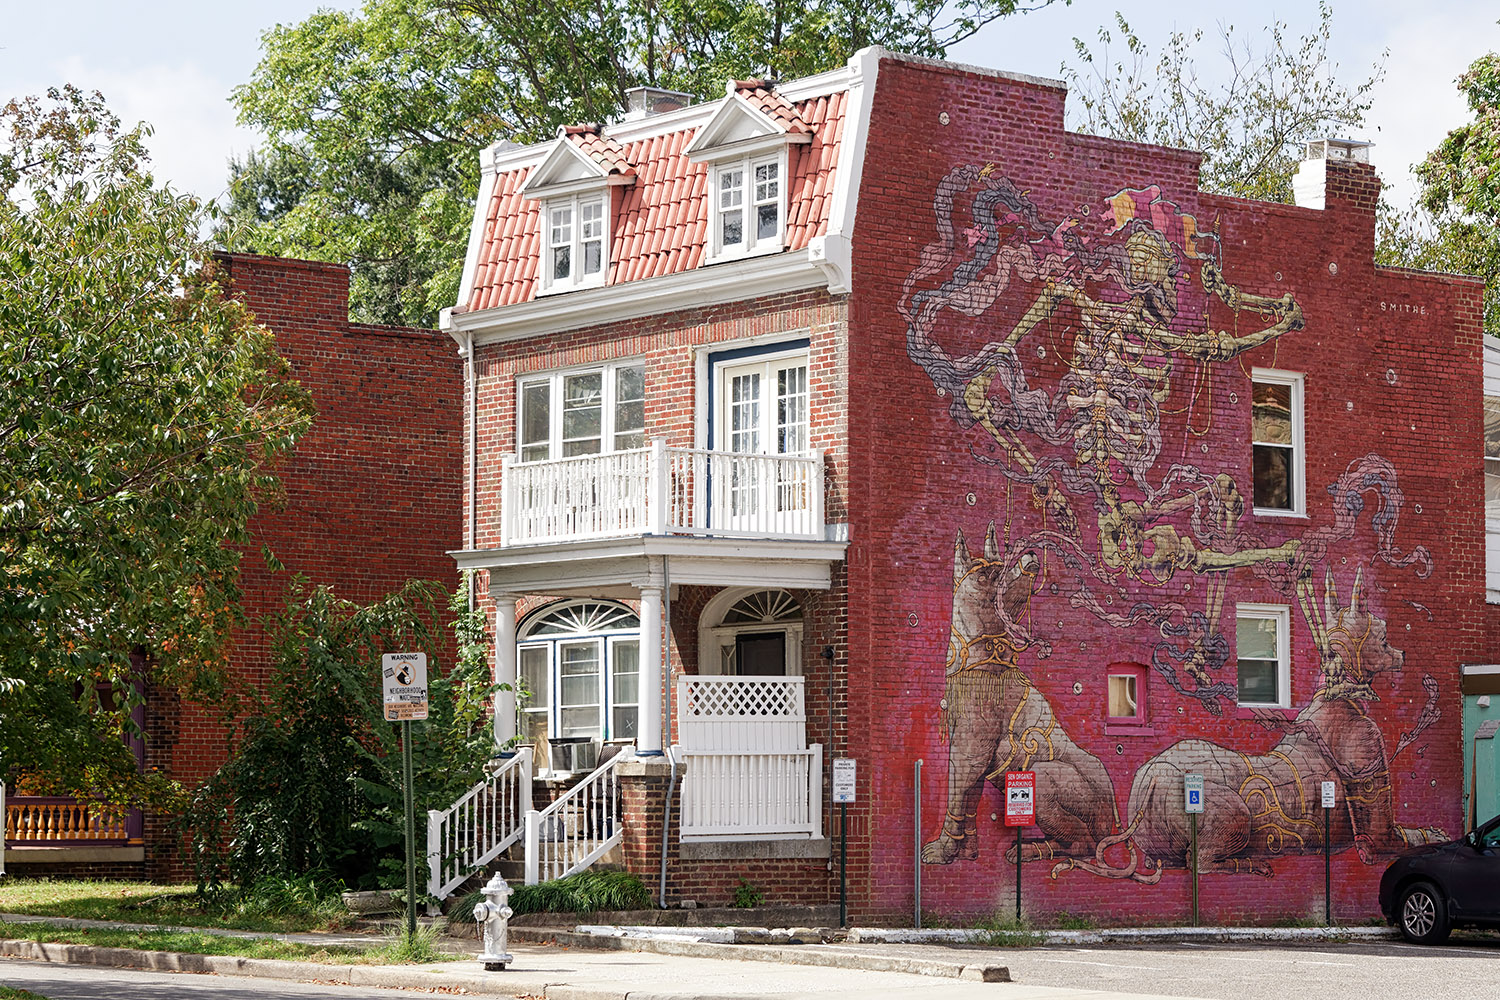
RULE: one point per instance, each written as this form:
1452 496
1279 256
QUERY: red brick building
372 501
968 440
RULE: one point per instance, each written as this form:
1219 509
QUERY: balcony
662 491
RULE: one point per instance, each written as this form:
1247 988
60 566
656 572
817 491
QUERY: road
1466 969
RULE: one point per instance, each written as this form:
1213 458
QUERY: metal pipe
471 392
917 844
666 716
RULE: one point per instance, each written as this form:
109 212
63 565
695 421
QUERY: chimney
643 102
1310 182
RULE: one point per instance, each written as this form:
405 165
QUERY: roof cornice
702 287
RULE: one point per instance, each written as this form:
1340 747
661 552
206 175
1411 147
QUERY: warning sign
405 676
1020 798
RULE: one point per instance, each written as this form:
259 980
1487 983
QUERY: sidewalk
645 964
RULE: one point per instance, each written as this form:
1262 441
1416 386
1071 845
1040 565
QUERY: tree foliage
1455 225
314 784
374 119
1249 115
140 413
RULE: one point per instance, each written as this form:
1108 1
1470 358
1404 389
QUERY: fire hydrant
493 915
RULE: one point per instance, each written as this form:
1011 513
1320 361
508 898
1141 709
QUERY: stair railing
477 828
576 829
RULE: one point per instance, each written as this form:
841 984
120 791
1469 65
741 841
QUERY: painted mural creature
997 721
1259 807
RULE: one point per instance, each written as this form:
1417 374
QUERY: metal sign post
1020 812
1330 793
843 794
1192 803
405 699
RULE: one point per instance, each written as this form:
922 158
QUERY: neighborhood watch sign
405 677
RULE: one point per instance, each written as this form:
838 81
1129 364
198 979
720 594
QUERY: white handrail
578 828
737 795
473 831
658 490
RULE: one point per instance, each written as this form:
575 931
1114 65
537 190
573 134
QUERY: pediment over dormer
739 127
568 167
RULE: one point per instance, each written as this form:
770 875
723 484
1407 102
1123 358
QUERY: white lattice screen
757 714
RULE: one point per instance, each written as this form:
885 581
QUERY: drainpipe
666 661
471 394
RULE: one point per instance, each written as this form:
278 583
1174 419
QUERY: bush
586 892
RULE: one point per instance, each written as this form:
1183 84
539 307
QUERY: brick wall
373 491
1392 368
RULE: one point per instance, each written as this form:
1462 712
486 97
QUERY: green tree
374 120
1455 225
314 785
1250 125
140 413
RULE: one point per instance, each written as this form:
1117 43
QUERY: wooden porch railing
57 820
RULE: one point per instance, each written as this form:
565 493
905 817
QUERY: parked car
1429 890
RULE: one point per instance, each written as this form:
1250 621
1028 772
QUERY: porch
43 832
659 490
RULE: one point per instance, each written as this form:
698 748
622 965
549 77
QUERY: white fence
750 772
737 795
577 828
756 714
660 490
475 830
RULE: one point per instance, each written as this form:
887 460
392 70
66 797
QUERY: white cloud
195 130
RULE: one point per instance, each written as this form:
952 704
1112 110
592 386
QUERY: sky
174 63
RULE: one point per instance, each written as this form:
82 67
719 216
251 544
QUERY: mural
1118 305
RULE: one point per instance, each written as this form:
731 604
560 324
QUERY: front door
761 410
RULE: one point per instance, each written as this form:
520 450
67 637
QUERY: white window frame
555 381
1281 614
1491 510
1295 380
574 204
717 641
752 246
769 361
606 643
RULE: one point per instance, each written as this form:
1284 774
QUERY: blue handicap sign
1193 796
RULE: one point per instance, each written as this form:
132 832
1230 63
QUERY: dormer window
745 147
574 182
577 247
748 212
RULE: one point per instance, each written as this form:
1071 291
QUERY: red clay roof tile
660 223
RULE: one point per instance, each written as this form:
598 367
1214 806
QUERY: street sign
1020 798
843 779
405 676
1192 793
1329 793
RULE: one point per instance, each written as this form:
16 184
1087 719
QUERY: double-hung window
582 412
1277 449
576 251
1492 494
1263 645
748 207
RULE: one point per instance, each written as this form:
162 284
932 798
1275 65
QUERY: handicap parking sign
1192 793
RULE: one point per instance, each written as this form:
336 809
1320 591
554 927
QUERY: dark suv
1429 889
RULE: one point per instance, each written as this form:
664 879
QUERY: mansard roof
659 217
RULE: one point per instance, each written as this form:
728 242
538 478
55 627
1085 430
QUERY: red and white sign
1020 798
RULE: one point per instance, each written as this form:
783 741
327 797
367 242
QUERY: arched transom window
580 661
752 633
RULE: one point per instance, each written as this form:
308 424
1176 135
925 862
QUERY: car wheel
1423 914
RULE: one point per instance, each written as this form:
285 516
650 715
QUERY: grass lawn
179 905
387 951
7 993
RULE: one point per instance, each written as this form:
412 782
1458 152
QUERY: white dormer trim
739 129
568 170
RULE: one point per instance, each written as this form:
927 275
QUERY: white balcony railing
660 490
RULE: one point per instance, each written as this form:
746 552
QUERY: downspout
471 395
666 661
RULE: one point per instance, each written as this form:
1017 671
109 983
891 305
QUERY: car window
1491 837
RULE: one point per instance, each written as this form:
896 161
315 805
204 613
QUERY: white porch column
505 667
648 734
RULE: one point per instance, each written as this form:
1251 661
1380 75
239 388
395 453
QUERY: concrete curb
1126 935
617 939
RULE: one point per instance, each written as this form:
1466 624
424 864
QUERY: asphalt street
80 982
1466 969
